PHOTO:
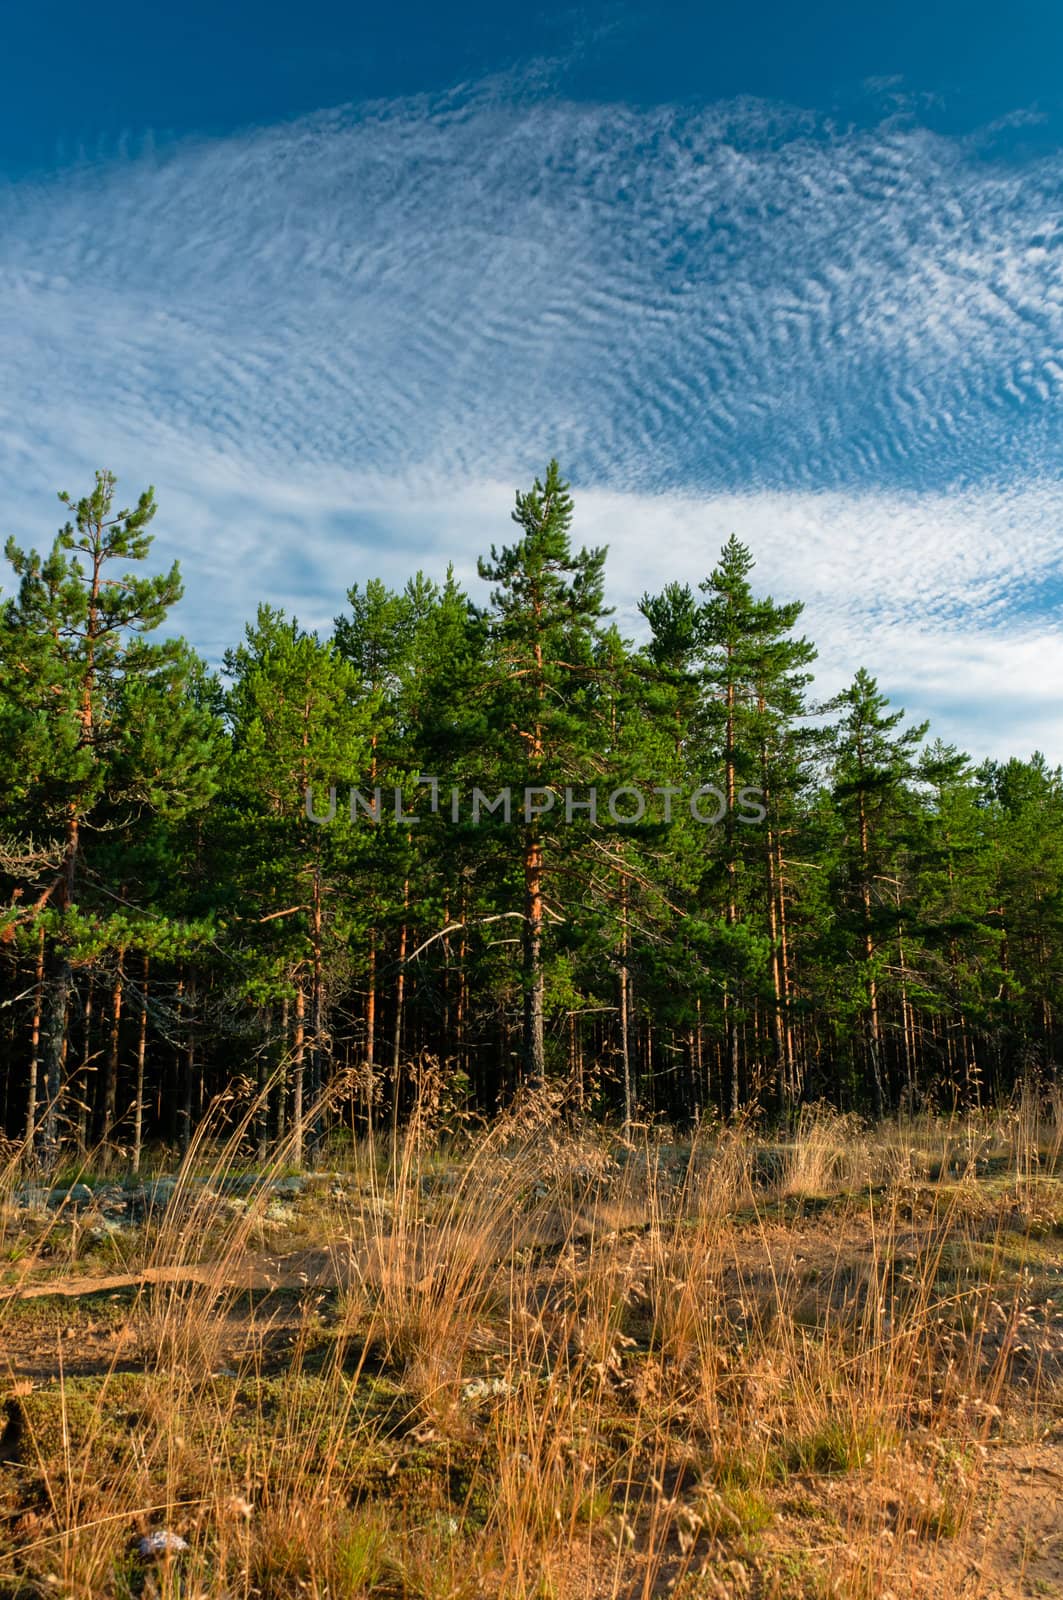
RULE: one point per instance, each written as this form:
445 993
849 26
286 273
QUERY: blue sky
336 281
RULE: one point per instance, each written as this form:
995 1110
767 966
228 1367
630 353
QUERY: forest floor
548 1364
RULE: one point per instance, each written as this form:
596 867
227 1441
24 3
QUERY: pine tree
947 953
873 771
1025 806
543 619
753 674
300 732
83 688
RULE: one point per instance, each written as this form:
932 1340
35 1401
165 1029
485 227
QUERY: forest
194 920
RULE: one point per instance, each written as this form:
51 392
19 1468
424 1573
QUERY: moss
117 1415
67 1419
471 1484
107 1308
426 1478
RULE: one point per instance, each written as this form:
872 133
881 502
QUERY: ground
547 1362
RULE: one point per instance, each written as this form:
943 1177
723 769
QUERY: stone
161 1545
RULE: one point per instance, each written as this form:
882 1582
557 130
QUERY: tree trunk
370 1012
704 1087
784 1086
84 1098
625 1023
58 997
317 1013
792 1056
35 1040
463 989
298 1072
874 1031
736 1078
185 1117
110 1081
60 988
138 1092
282 1078
732 873
396 1042
534 1043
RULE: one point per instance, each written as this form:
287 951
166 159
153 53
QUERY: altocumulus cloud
337 345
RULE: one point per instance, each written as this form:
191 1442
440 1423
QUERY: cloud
954 602
337 345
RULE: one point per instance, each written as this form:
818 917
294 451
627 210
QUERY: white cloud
336 346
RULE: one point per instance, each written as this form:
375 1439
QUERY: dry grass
541 1362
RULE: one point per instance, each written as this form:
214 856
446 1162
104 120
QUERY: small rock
161 1544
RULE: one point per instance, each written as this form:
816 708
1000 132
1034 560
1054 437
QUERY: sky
338 280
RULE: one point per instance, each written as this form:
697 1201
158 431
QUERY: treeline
709 893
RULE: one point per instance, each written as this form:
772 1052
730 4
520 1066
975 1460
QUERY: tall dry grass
543 1360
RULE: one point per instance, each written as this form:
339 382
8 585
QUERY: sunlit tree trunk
35 1039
